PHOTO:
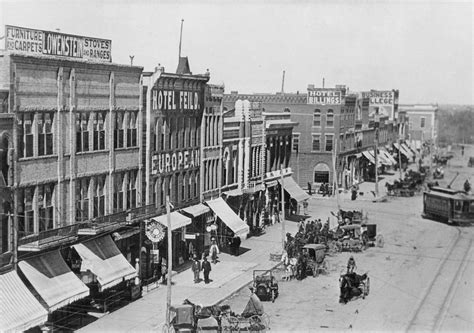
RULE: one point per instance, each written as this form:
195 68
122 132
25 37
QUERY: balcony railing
97 225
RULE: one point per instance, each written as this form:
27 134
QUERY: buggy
252 319
353 285
265 285
185 319
316 258
370 237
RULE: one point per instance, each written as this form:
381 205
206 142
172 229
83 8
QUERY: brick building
74 145
330 119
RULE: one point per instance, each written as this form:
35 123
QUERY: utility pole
334 178
170 265
283 233
376 155
400 157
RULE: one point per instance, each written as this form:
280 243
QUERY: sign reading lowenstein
324 96
175 161
50 43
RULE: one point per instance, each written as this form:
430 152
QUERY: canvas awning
196 210
233 193
408 150
20 309
51 277
103 258
388 156
294 190
227 215
403 150
370 157
382 158
177 220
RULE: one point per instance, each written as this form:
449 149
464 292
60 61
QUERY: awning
125 234
227 215
405 146
177 220
294 190
388 156
233 193
103 258
370 157
51 277
382 158
403 150
196 210
20 309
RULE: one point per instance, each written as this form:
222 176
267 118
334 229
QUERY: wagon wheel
256 324
263 319
367 287
230 324
379 241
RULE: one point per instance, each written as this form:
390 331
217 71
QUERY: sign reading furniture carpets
51 43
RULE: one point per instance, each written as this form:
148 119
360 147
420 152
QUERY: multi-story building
73 164
175 104
332 120
422 123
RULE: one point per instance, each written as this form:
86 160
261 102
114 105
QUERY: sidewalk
148 313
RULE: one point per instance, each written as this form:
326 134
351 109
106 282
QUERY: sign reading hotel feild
50 43
175 100
324 96
175 161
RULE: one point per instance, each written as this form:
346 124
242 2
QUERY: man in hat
196 267
214 250
351 265
206 268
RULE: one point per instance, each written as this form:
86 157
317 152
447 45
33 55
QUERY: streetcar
448 205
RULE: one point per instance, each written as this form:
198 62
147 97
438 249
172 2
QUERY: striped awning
20 310
388 156
370 156
51 277
103 258
383 159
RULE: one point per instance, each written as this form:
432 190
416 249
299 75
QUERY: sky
423 48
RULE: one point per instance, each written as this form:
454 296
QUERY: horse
290 267
350 286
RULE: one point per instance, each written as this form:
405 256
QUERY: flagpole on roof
180 38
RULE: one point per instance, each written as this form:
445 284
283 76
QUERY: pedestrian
351 265
353 193
214 250
309 188
305 207
237 242
196 267
467 186
462 150
164 270
206 268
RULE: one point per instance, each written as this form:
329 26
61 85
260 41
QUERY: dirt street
420 280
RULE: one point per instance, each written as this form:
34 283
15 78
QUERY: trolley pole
170 266
283 233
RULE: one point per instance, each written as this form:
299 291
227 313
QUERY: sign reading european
175 161
324 96
50 43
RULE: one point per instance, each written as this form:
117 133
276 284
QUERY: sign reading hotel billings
324 96
49 43
381 103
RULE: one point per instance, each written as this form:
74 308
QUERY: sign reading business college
175 161
41 42
381 103
324 96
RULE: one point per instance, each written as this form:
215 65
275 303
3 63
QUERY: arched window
321 173
330 118
317 118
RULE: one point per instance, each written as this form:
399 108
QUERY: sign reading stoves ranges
50 43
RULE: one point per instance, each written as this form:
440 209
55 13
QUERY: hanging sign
154 231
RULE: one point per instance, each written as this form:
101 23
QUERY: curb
242 286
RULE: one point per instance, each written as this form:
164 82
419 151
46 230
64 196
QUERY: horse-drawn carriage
351 216
353 285
315 259
190 317
265 285
349 238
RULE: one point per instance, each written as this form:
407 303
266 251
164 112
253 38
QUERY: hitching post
282 209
